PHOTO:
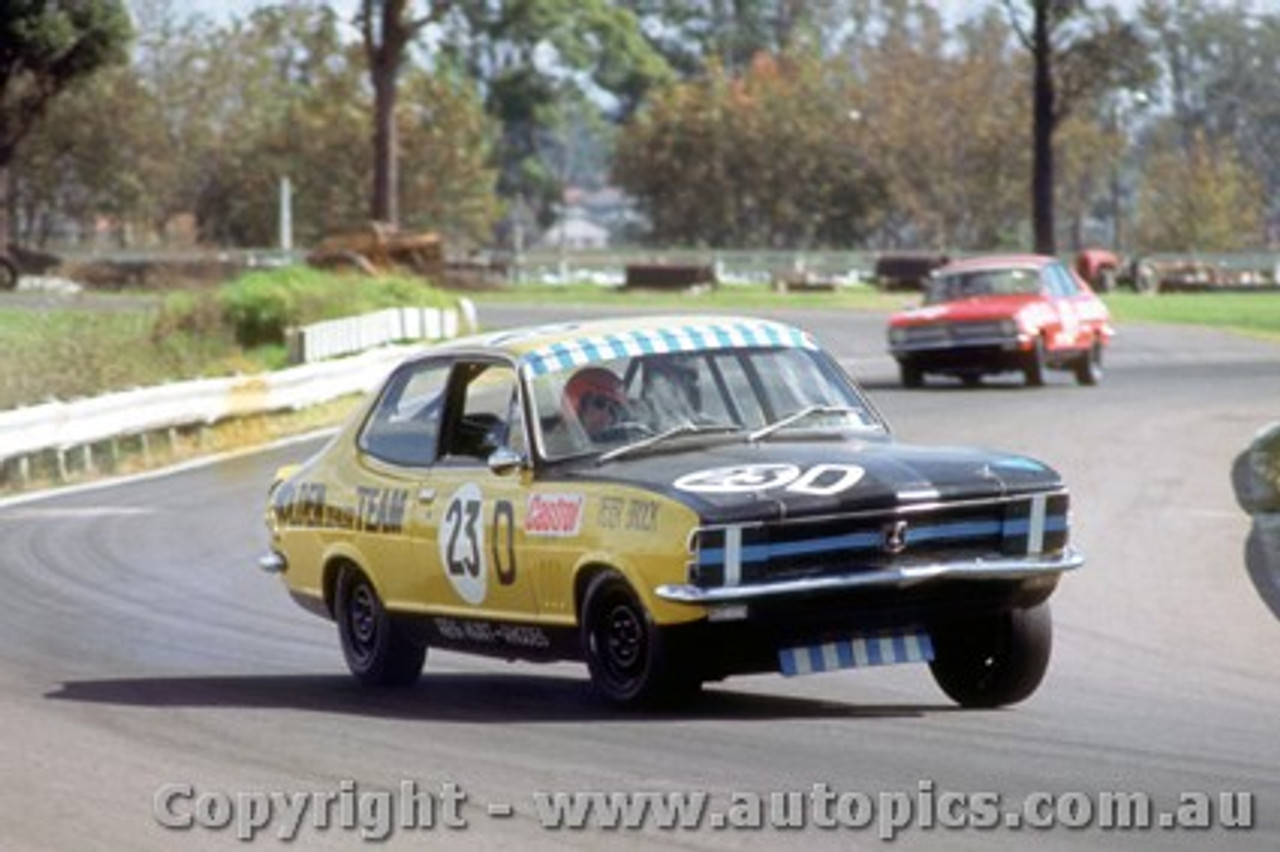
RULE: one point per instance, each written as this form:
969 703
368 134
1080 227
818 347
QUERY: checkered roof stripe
577 352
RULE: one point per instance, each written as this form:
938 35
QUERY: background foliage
762 123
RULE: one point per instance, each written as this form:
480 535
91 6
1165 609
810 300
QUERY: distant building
575 231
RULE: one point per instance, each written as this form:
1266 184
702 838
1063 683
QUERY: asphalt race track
150 673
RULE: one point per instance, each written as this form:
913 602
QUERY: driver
596 397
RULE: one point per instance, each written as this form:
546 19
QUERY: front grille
840 544
959 333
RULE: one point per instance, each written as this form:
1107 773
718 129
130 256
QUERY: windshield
610 404
956 286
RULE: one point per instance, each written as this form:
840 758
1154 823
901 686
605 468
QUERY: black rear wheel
993 661
377 650
8 274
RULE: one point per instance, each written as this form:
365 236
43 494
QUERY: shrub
260 306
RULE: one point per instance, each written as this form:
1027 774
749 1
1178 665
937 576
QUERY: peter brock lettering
630 515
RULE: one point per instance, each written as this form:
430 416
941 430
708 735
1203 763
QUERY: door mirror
505 460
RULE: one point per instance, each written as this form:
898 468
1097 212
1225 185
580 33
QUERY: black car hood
772 479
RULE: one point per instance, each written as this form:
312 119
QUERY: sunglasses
599 402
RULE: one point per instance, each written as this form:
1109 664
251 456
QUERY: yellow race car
673 500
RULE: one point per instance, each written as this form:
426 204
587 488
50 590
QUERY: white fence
332 338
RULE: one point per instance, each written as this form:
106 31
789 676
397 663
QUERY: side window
490 415
404 426
1061 284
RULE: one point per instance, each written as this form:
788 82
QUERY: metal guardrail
63 427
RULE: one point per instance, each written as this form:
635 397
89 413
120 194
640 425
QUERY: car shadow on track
467 698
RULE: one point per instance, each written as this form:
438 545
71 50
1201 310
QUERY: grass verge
1254 314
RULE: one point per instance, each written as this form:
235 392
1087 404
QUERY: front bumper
272 563
1018 568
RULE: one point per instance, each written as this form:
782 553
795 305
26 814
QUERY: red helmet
593 381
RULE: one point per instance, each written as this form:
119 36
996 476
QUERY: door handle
426 495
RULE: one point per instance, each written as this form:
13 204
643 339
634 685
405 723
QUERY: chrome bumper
272 563
1014 568
1010 344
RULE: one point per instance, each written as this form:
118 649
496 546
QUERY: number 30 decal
822 480
463 551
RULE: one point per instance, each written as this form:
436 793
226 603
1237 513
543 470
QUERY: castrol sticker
553 515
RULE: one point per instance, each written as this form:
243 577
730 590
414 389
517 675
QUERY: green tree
541 65
1198 197
1221 63
1076 54
216 115
387 28
767 158
44 47
302 111
64 172
449 177
943 124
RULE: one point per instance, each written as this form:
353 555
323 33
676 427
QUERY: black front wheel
911 375
1088 367
378 652
996 660
629 656
1036 364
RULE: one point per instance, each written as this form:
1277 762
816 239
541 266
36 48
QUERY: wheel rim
362 622
621 643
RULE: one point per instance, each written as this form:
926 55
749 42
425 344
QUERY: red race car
1010 313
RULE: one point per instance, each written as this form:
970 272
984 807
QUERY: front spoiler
1016 568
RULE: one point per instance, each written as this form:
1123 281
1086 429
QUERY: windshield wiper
796 416
685 428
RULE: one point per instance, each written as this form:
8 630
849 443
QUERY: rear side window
404 427
1061 284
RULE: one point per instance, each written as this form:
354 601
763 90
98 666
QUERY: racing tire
911 375
1107 277
378 652
1088 367
1037 364
996 660
8 274
629 657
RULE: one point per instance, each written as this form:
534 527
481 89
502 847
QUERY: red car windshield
957 286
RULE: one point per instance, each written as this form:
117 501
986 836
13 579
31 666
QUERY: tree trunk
6 206
385 149
1042 168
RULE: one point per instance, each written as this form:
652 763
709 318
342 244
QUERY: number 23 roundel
463 542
